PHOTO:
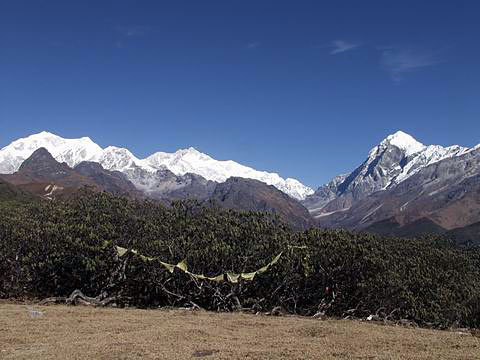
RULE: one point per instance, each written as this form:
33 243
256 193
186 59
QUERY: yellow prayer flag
167 266
121 251
218 278
182 265
233 278
248 276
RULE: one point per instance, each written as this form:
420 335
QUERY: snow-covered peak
190 160
385 168
404 142
118 159
189 151
71 151
392 161
296 189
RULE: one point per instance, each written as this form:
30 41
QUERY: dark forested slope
50 248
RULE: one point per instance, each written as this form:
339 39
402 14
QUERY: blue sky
303 88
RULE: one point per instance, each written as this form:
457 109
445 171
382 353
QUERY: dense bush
50 248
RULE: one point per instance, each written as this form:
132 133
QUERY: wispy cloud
400 61
132 31
129 33
253 45
340 46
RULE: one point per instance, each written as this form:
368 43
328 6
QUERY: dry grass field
92 333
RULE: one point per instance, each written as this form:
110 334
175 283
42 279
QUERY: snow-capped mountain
442 196
141 172
416 156
70 151
394 160
192 161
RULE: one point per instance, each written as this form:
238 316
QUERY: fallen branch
78 298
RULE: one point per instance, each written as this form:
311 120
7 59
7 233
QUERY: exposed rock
248 194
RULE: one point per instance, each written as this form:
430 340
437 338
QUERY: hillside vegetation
468 235
50 248
8 192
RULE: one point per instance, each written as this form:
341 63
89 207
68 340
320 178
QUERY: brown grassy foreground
92 333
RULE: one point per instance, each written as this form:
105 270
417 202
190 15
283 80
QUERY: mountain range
403 187
42 175
141 172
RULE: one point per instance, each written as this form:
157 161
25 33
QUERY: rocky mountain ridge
393 161
42 175
402 186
